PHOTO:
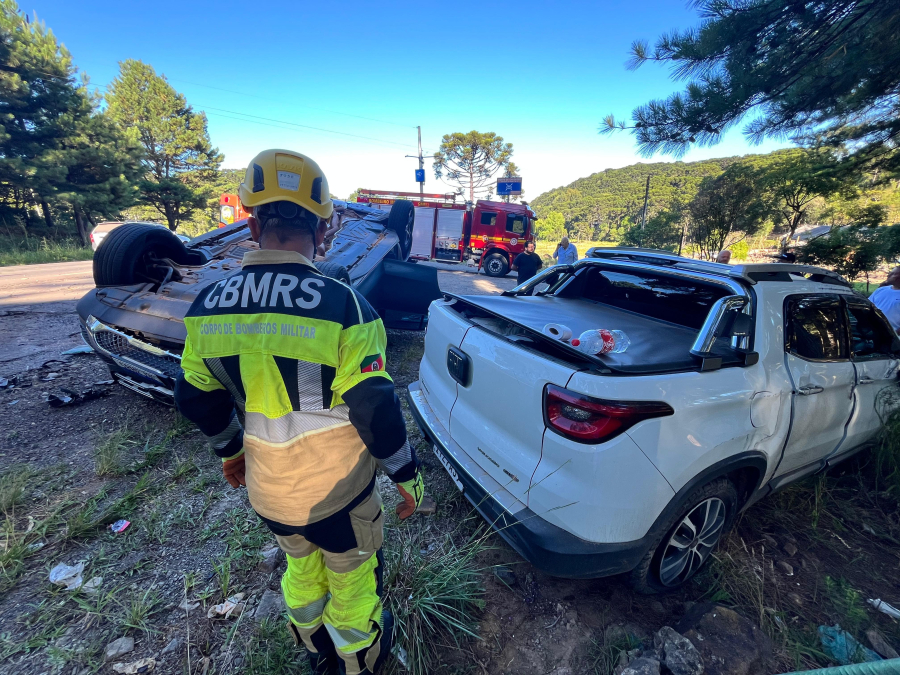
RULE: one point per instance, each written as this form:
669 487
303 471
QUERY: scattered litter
231 606
36 546
400 653
119 526
80 349
69 397
188 606
4 382
13 402
31 524
882 606
843 647
91 585
142 666
68 576
104 383
50 377
557 331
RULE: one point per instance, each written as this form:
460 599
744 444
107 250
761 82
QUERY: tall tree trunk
82 230
48 217
171 216
90 218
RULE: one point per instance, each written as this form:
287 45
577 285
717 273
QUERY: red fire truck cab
230 210
489 234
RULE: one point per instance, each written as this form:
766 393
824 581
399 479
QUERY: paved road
37 307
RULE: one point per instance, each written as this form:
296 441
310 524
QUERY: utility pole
421 164
644 213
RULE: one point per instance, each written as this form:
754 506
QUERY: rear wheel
691 537
496 265
401 220
334 271
135 253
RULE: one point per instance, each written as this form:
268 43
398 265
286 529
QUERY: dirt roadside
75 470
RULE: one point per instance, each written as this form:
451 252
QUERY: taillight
592 420
92 237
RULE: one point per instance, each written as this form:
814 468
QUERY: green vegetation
470 162
33 250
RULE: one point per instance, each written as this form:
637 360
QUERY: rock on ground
880 645
678 652
271 558
270 605
728 643
642 666
174 645
117 648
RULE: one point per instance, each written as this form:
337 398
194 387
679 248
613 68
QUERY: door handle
866 380
809 390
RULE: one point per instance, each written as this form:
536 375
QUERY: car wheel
133 253
690 538
401 220
334 271
495 265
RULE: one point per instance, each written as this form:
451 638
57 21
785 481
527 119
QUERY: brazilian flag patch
372 364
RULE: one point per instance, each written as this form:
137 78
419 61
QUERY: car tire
125 255
683 548
496 265
334 271
401 220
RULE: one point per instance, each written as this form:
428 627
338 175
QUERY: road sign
510 185
420 175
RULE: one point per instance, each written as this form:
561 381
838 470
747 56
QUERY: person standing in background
565 253
724 257
528 263
887 298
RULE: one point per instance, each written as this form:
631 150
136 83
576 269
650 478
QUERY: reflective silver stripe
310 613
217 369
397 461
221 439
294 424
309 385
344 637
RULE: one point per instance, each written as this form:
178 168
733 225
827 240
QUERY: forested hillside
604 204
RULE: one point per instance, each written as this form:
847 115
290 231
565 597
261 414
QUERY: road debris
843 647
881 645
882 606
69 397
80 349
119 526
8 382
70 577
50 377
427 507
142 666
231 607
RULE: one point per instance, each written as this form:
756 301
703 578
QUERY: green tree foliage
353 195
792 68
56 150
179 159
469 162
854 250
664 231
727 208
606 203
551 227
792 179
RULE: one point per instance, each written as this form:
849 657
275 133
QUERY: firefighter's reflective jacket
287 365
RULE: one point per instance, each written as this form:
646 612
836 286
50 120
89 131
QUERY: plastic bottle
601 341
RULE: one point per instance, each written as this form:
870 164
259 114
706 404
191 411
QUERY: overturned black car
147 279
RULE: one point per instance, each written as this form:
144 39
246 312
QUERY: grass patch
109 451
31 251
435 598
139 610
12 488
272 650
603 654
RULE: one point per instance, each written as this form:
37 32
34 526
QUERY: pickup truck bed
656 346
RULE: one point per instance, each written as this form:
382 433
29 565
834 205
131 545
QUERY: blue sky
541 74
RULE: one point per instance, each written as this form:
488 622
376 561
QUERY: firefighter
284 373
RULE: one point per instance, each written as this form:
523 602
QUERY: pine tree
178 155
469 162
826 71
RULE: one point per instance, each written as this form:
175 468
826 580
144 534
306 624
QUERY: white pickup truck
738 380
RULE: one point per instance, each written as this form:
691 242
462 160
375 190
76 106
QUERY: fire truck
230 210
489 234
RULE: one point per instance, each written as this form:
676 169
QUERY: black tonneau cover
656 346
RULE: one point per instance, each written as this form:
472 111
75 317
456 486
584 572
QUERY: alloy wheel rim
692 541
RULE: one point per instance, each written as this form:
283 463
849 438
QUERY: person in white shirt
887 298
565 253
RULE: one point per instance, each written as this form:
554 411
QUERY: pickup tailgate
498 415
446 329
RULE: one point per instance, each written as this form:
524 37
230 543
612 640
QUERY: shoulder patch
372 364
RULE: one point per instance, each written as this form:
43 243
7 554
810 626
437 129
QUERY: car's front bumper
548 547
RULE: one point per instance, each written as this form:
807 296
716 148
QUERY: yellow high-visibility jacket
287 365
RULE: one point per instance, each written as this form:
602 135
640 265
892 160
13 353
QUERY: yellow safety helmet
284 175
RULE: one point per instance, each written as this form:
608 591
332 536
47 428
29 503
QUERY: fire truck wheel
333 270
134 253
496 265
401 220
